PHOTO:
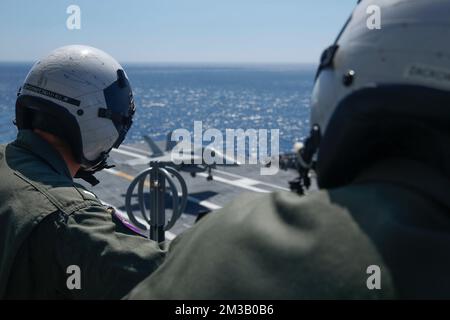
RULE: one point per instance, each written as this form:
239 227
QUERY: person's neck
62 149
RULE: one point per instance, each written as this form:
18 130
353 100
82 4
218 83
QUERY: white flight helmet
411 47
82 95
399 70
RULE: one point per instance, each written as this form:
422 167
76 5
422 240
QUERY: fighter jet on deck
188 161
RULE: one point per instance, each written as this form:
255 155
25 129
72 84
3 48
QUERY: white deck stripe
247 181
256 181
235 183
129 153
204 203
135 150
111 171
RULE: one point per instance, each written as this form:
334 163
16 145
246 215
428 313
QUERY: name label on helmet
52 94
427 74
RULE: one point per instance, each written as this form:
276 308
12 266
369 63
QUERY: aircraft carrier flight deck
203 195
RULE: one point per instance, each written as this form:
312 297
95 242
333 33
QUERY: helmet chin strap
306 162
88 174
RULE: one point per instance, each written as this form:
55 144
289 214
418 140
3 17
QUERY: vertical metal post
157 182
161 213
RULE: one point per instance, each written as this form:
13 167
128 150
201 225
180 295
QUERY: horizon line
189 62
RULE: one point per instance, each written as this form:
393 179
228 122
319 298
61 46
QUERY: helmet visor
120 106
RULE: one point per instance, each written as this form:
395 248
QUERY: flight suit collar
411 174
32 142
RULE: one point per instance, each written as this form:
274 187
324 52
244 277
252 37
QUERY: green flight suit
282 246
49 223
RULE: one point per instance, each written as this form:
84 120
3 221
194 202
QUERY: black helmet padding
384 121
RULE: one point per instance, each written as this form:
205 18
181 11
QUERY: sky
176 31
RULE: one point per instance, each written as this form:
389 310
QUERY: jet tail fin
156 151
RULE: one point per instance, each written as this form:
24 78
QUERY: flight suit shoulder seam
83 205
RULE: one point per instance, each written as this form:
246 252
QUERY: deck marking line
131 154
246 181
235 183
257 181
135 150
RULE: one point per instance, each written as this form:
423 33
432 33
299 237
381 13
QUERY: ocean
224 97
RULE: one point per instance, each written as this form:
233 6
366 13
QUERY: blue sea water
223 97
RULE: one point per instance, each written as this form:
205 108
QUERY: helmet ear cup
37 113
